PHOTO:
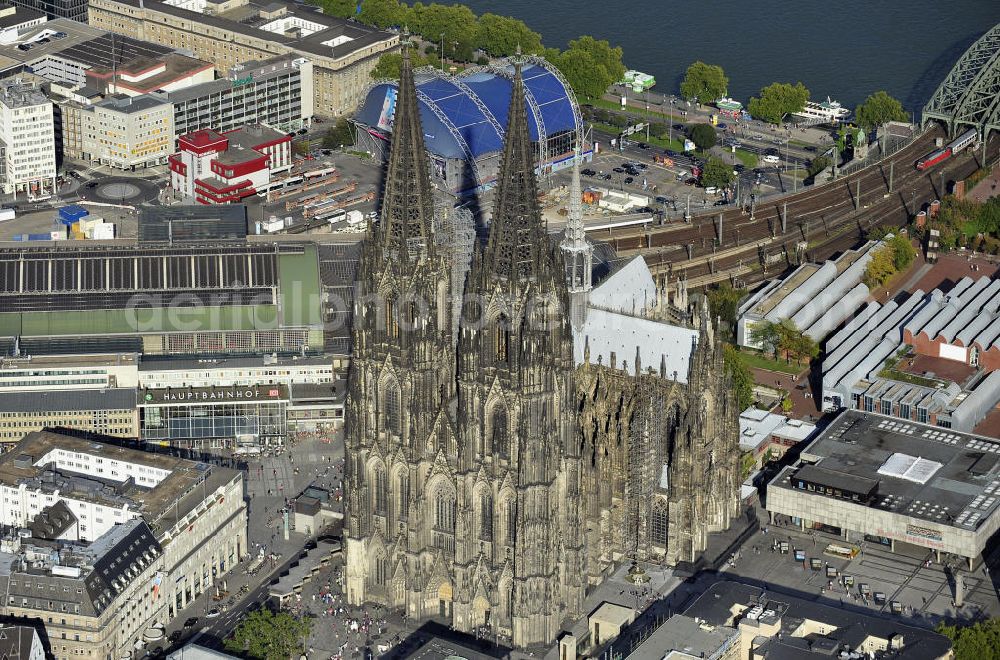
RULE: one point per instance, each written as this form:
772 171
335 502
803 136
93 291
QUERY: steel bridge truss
969 97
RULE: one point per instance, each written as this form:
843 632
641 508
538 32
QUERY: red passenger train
964 140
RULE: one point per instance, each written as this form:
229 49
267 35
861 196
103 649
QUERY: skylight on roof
911 468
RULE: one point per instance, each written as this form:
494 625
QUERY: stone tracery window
391 407
660 523
501 338
511 521
444 510
380 491
486 516
500 440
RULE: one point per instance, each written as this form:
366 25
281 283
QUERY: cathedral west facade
495 472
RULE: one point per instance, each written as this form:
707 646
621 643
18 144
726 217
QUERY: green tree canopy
264 635
585 75
338 8
880 268
703 136
784 338
817 165
902 252
879 109
339 135
777 100
501 35
389 64
383 13
603 54
456 22
980 641
740 376
707 82
716 173
723 301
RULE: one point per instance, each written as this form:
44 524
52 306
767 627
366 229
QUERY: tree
456 22
902 252
817 165
980 641
879 109
706 82
777 100
723 301
301 148
337 8
264 635
747 463
586 77
786 405
383 13
739 375
880 268
389 64
716 173
765 334
603 54
339 135
703 136
500 36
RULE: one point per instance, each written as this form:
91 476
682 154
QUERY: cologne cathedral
503 455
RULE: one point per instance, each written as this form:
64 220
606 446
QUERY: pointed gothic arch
400 485
484 520
501 338
497 441
659 527
391 406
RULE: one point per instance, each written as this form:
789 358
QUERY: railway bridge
969 96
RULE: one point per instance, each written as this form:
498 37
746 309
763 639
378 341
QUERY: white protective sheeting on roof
858 322
973 305
978 404
762 292
911 468
804 293
629 290
951 306
835 314
611 332
830 299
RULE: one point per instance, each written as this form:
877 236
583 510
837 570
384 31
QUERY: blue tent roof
454 100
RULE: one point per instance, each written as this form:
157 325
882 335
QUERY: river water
844 50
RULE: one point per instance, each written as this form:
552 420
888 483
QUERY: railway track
827 219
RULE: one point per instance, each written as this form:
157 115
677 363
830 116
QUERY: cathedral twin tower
464 469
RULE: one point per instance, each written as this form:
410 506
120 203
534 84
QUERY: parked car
660 199
691 181
722 127
629 179
213 613
771 159
618 170
711 190
678 127
720 202
588 172
175 636
643 145
607 177
191 622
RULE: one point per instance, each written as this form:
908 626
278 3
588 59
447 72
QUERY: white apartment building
197 510
129 132
27 139
47 373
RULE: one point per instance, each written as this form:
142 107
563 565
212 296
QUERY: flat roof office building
343 53
885 480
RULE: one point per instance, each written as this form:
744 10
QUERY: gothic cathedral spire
407 203
577 251
517 247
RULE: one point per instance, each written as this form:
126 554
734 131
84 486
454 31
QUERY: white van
771 159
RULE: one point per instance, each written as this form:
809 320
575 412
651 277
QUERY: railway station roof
466 114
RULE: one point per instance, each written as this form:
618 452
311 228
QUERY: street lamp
442 52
